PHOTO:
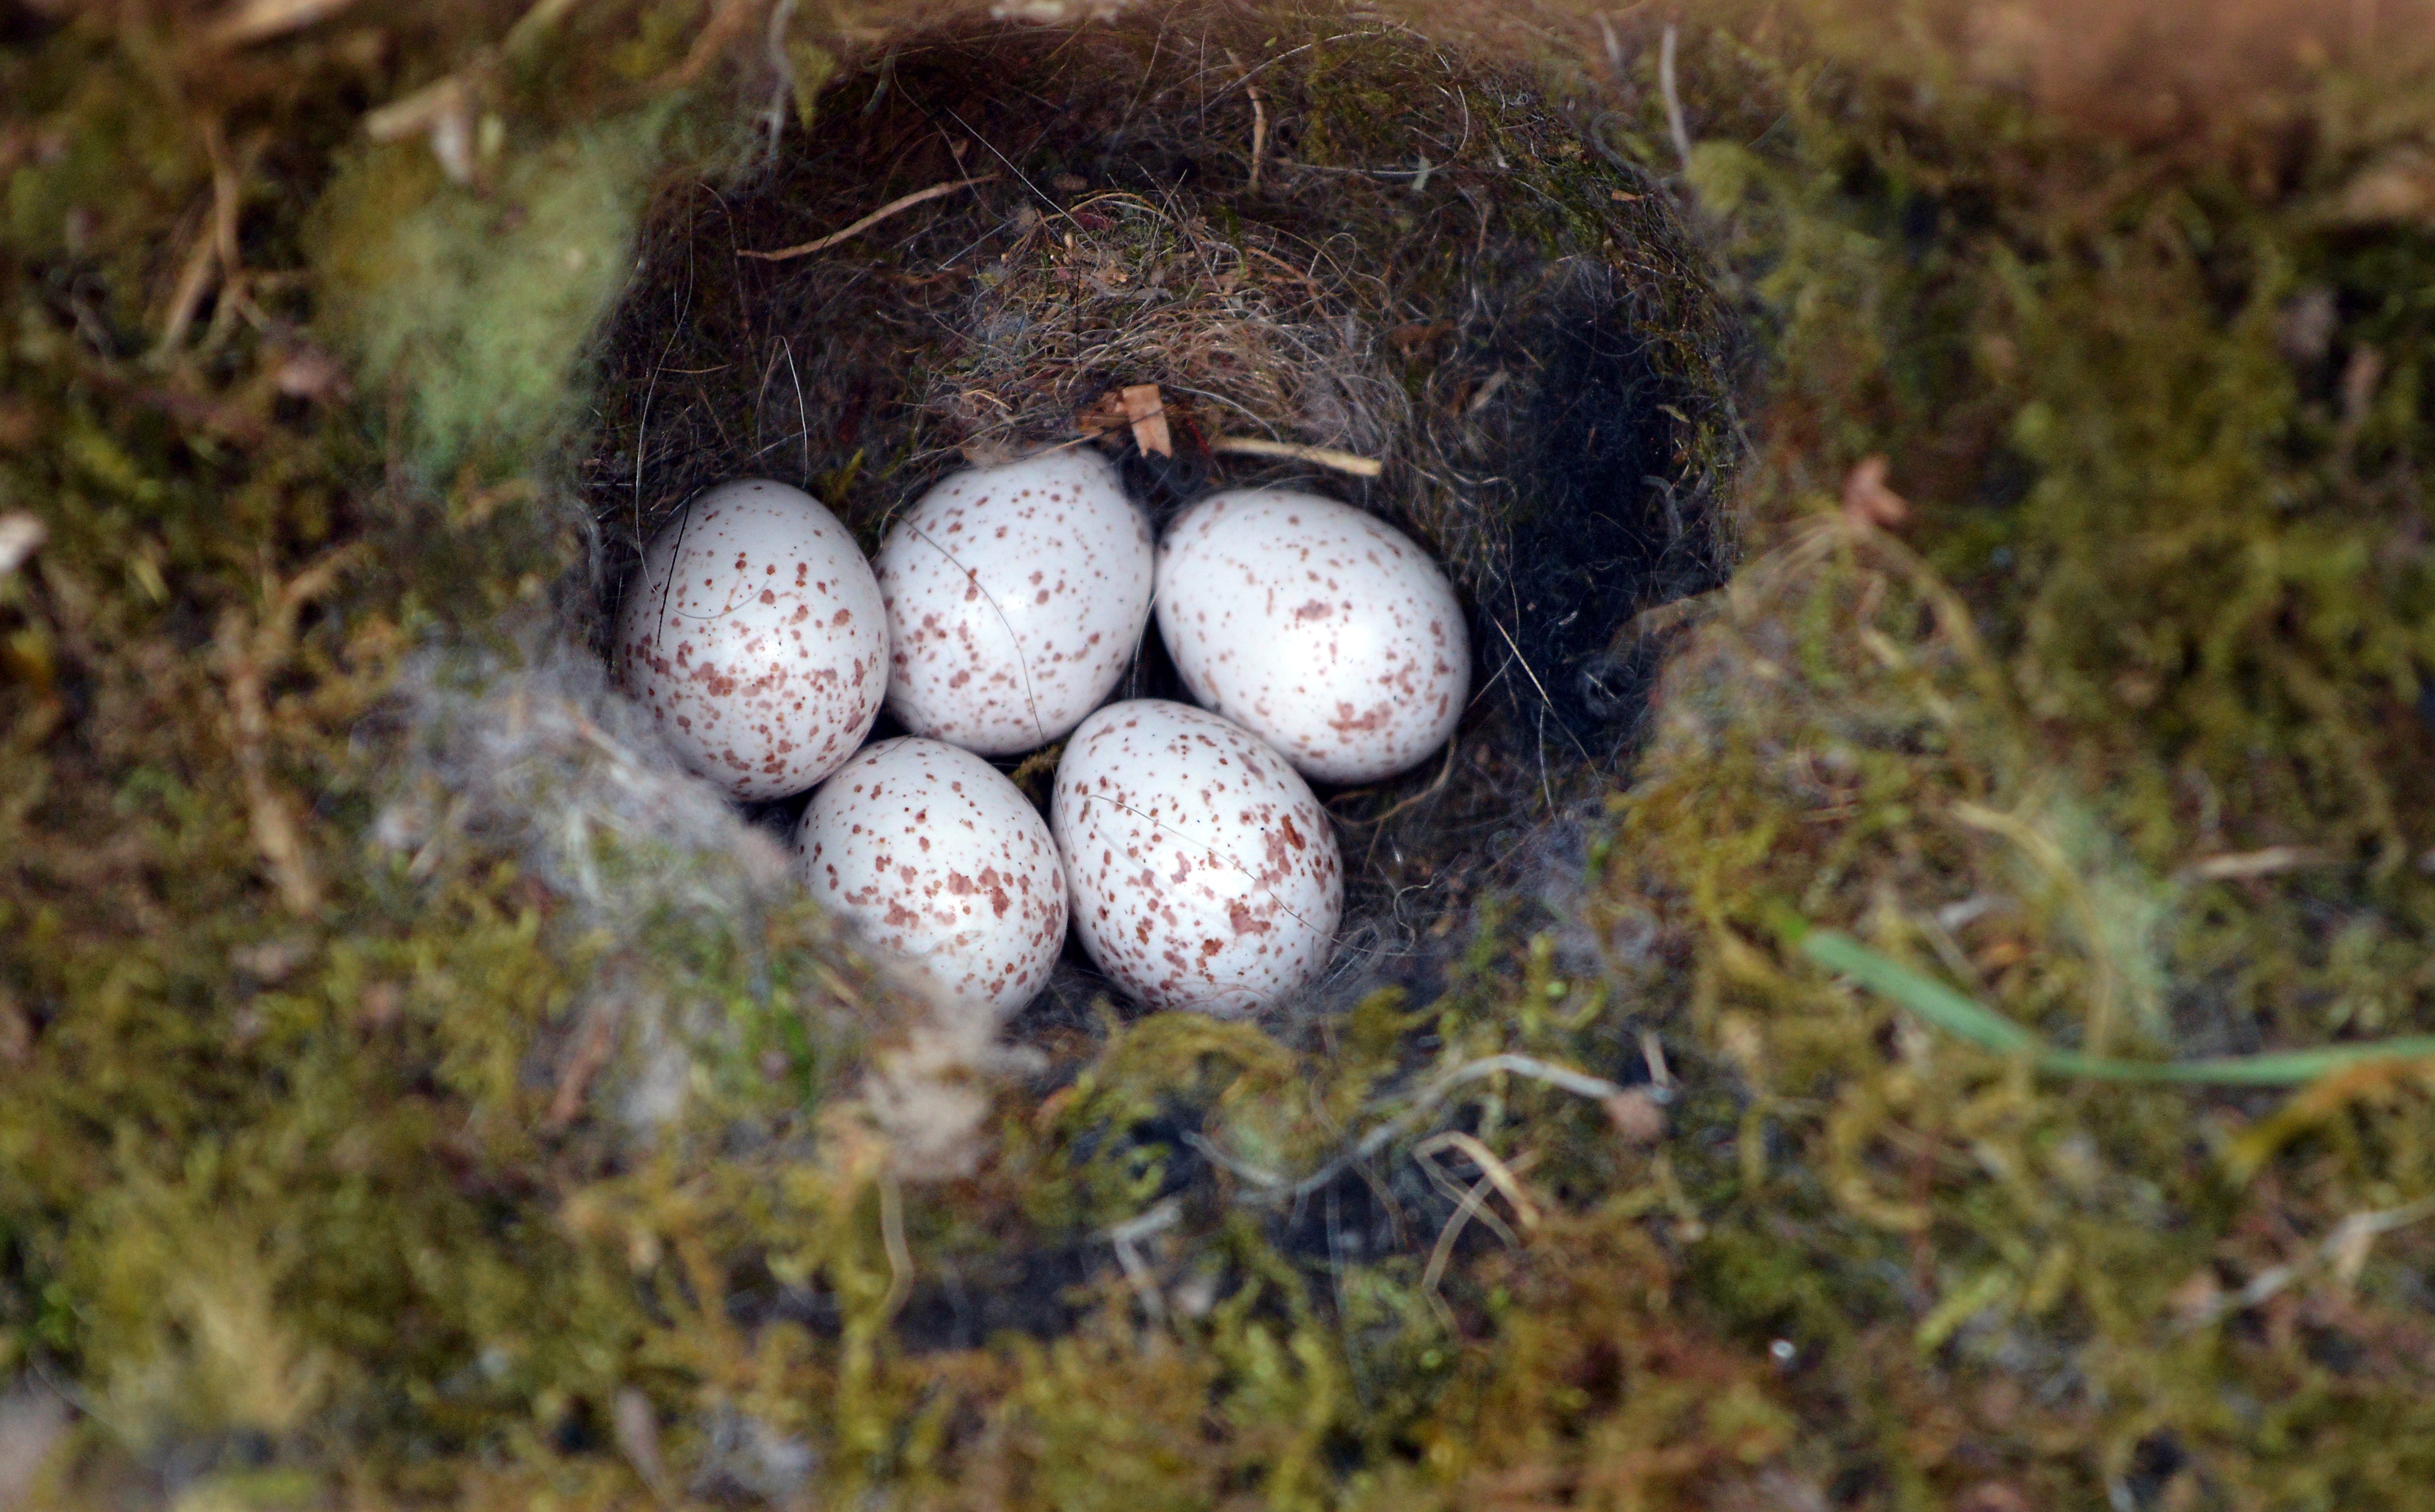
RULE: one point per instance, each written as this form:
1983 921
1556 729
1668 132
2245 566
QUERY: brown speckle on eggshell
1016 596
1203 872
1319 627
943 865
755 635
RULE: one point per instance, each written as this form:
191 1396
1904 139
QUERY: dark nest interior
1369 248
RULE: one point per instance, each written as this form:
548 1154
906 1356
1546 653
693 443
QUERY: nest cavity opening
1349 258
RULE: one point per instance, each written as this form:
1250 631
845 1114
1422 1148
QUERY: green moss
475 309
2155 619
306 1197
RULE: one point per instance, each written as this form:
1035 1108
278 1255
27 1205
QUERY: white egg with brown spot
943 865
1016 597
1203 872
755 635
1319 627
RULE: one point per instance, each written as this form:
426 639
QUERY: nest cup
1421 280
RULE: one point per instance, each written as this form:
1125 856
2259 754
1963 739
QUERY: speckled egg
1322 630
755 635
944 866
1203 872
1016 596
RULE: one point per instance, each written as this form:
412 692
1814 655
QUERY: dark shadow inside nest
1306 229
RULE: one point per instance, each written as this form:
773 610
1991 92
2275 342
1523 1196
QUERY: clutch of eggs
1197 867
943 864
1201 871
755 635
1319 627
1016 596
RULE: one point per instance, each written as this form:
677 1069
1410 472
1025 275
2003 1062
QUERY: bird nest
1369 264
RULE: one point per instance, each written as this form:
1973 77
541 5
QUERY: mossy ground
2118 726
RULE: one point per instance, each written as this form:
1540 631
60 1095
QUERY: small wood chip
636 1428
307 372
1146 411
1638 1117
1867 501
444 110
21 536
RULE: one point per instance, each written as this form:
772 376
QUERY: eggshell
943 864
1016 596
1203 873
1322 629
755 635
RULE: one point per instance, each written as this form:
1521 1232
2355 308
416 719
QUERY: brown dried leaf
1867 501
1104 414
636 1428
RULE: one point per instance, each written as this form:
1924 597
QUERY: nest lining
1313 230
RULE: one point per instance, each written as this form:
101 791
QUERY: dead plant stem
1359 467
249 657
1259 121
821 244
1665 85
1564 1079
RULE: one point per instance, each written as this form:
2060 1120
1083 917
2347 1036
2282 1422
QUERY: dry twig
1259 120
254 21
822 244
1665 85
1360 467
591 1055
1471 1204
2266 863
2344 1251
249 658
900 1254
1485 1158
1127 1237
1564 1079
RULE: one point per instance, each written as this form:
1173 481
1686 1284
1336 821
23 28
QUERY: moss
316 1189
475 310
2019 754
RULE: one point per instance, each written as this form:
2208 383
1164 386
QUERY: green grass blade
1923 995
1960 1014
2278 1068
